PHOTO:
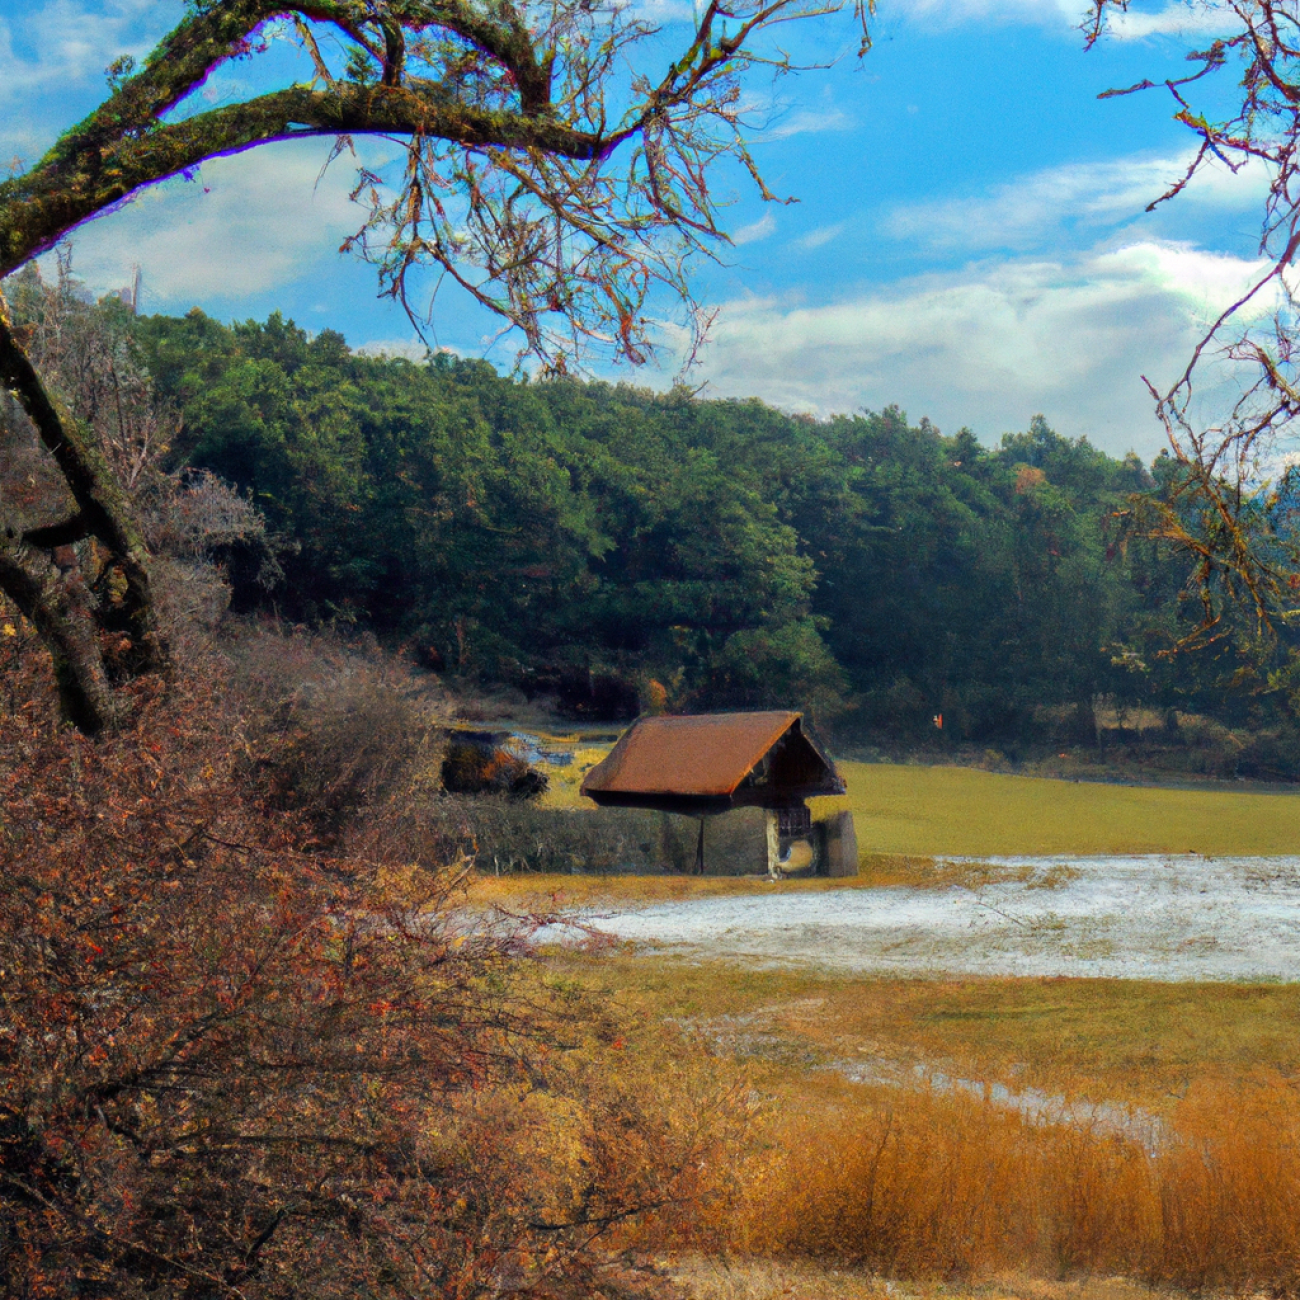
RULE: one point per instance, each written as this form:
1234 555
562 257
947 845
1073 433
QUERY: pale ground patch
760 1279
1156 918
766 1033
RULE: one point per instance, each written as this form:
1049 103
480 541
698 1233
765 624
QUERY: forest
604 545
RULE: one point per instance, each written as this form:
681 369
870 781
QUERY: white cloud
755 231
1181 18
72 42
821 236
807 121
1204 283
662 12
954 13
991 346
245 224
1025 211
62 49
1198 18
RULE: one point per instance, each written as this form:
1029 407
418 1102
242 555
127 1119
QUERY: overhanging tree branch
561 184
39 209
104 511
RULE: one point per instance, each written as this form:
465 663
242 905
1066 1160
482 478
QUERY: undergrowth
249 1049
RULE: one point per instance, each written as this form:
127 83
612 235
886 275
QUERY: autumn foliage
233 1067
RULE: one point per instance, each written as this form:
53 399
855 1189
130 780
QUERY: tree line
612 545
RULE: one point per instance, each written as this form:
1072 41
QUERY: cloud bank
244 225
989 347
1182 18
1030 209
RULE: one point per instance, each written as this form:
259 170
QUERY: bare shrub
341 727
89 355
233 1067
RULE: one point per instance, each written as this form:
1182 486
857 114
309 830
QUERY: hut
708 764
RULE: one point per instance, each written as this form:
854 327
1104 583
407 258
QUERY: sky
968 239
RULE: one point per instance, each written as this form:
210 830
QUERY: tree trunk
55 597
59 605
103 509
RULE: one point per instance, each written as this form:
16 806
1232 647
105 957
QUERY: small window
793 822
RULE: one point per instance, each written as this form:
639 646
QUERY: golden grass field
1135 1042
897 1184
1170 1157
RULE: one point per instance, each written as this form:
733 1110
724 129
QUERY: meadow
911 820
961 810
984 1136
889 1139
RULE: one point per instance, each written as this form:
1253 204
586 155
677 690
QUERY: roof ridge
727 748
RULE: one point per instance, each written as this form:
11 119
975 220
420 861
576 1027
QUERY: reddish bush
232 1068
473 764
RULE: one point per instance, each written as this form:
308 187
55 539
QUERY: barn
705 765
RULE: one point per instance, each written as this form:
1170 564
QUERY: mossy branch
73 184
104 509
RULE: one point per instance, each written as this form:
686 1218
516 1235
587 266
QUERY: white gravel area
1161 918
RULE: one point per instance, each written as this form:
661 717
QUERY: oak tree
557 166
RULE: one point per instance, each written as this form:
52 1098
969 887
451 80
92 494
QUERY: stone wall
511 836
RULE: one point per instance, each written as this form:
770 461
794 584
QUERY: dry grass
710 1278
540 892
1125 1041
564 779
1187 1175
1169 1153
706 1278
949 1186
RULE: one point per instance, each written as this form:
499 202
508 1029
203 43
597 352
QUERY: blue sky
969 240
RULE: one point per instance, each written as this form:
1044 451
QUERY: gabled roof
705 757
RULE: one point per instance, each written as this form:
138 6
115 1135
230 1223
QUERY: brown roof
706 755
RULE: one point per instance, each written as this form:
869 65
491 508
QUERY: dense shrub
233 1065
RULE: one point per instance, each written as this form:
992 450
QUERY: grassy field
960 810
909 818
1125 1041
867 1163
1168 1155
928 811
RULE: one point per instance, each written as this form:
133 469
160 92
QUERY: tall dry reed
926 1183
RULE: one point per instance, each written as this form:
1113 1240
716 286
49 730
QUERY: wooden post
699 851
